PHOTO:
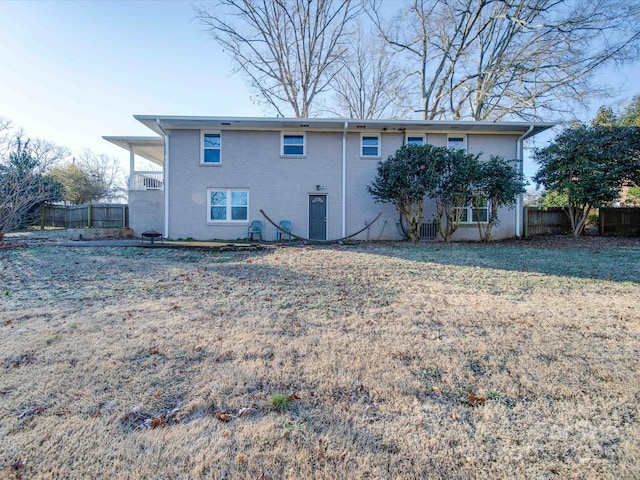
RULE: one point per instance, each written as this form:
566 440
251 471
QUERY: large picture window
227 205
211 148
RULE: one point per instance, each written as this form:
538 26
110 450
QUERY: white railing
147 181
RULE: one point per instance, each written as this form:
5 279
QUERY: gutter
166 178
520 158
344 179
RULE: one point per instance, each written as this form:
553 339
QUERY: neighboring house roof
150 148
159 122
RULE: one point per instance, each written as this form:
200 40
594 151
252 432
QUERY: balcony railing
147 181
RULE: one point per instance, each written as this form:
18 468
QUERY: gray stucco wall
281 186
146 211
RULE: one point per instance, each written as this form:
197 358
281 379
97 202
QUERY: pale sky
73 71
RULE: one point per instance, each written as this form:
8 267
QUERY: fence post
525 222
89 215
601 220
43 217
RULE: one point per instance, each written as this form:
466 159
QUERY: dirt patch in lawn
362 361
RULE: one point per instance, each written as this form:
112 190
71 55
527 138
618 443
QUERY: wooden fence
554 221
620 221
83 216
550 221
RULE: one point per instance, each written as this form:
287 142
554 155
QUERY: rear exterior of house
213 175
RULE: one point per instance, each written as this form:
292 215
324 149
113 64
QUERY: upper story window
370 145
227 205
293 144
211 147
416 140
457 141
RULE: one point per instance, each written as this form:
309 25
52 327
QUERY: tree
405 178
23 183
490 59
499 184
90 178
459 174
369 84
289 50
631 115
108 172
590 165
78 186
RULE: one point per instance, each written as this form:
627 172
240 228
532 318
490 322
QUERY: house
211 176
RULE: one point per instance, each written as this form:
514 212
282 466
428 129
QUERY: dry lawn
514 360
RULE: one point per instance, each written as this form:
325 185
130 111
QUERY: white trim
166 178
463 136
423 136
344 179
362 146
202 149
293 134
519 199
229 206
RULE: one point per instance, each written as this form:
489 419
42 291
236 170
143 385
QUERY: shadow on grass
615 261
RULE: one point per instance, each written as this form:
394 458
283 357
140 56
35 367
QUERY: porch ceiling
149 148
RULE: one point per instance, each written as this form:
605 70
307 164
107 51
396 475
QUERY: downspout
520 159
166 178
344 179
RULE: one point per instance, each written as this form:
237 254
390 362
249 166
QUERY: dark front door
318 217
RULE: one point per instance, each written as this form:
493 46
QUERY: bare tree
106 171
490 59
369 83
23 183
288 49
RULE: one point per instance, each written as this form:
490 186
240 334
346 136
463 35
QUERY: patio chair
286 226
255 228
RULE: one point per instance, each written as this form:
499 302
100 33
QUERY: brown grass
395 361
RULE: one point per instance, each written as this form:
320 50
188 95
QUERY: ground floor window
477 210
227 205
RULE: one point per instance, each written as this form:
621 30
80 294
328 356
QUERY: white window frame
415 135
229 206
470 208
462 136
202 147
362 145
293 134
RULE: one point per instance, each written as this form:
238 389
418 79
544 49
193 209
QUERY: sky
73 71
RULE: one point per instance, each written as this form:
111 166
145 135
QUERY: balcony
152 180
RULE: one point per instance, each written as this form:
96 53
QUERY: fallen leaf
293 397
198 348
158 422
249 260
157 394
240 458
226 433
8 322
223 417
436 390
154 351
475 401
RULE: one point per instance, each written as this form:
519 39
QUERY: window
457 141
477 210
415 140
228 205
211 148
370 146
293 144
